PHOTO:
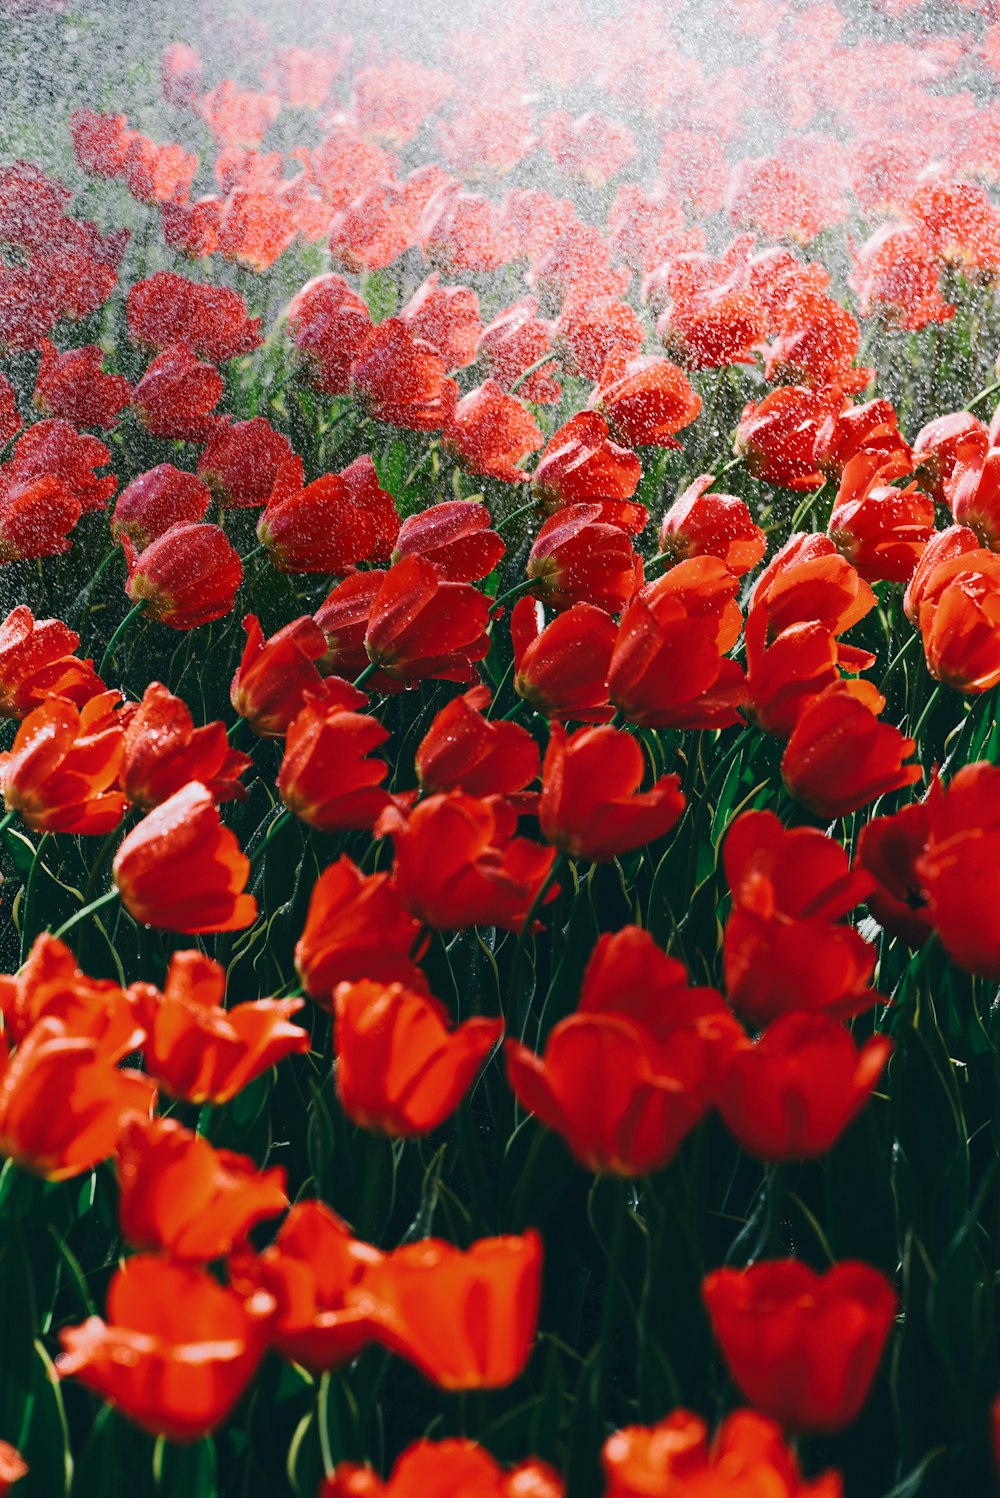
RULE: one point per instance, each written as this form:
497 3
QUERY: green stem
6 821
528 509
255 553
368 672
133 612
29 895
83 597
87 910
897 660
805 507
983 395
515 592
526 374
281 820
929 706
558 863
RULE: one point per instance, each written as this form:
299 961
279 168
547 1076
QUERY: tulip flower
577 557
840 757
328 323
420 626
357 927
179 1195
464 751
881 529
513 343
401 380
163 751
716 525
343 618
37 662
275 676
591 331
447 318
888 849
187 576
591 806
784 948
871 428
954 869
561 668
167 308
581 465
54 449
490 432
747 1456
792 1093
802 1347
442 1469
12 1467
49 985
36 517
645 401
177 395
156 500
940 445
63 1098
242 461
326 777
458 863
776 437
61 774
959 618
176 1351
455 536
181 870
72 386
401 1069
197 1049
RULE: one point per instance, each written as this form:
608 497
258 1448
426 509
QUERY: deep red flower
578 557
157 173
422 626
464 751
792 1093
785 946
72 386
888 850
166 309
490 432
401 1068
177 395
100 141
455 536
328 322
156 500
241 462
326 777
343 618
273 677
163 751
581 465
776 437
201 1051
323 526
840 757
800 1346
188 576
512 343
645 401
871 428
54 449
956 868
36 517
939 446
591 806
561 668
882 530
177 1350
667 668
590 331
458 863
181 870
401 380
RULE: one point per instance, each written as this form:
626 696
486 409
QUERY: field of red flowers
500 598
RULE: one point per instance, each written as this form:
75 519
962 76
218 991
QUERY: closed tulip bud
464 751
357 927
242 461
561 668
840 756
455 536
420 626
326 778
591 806
188 576
177 394
577 557
155 501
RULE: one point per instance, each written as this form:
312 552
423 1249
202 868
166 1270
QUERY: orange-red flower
592 330
156 500
868 428
343 618
776 437
167 308
36 517
37 662
466 1319
61 773
445 1469
897 275
512 343
800 1346
163 751
401 1068
667 669
464 751
956 599
579 557
715 525
329 525
179 1195
401 380
63 1097
422 626
50 985
181 870
840 756
274 676
490 432
645 401
53 449
447 318
326 777
591 806
882 530
973 492
455 536
357 927
187 576
13 1467
581 465
177 1350
177 395
561 668
941 444
792 1093
748 1457
327 322
458 863
201 1052
784 948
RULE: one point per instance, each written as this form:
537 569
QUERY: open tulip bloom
499 750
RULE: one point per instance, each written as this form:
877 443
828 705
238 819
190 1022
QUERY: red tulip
61 774
187 576
591 806
581 465
275 676
421 626
156 500
163 752
326 777
36 662
455 536
242 461
645 401
357 927
464 751
840 757
561 668
715 525
577 557
490 432
177 395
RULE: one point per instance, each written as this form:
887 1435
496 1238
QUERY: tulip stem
983 395
522 937
515 592
897 659
87 910
805 507
929 706
133 612
369 671
528 509
526 374
6 821
255 553
83 597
